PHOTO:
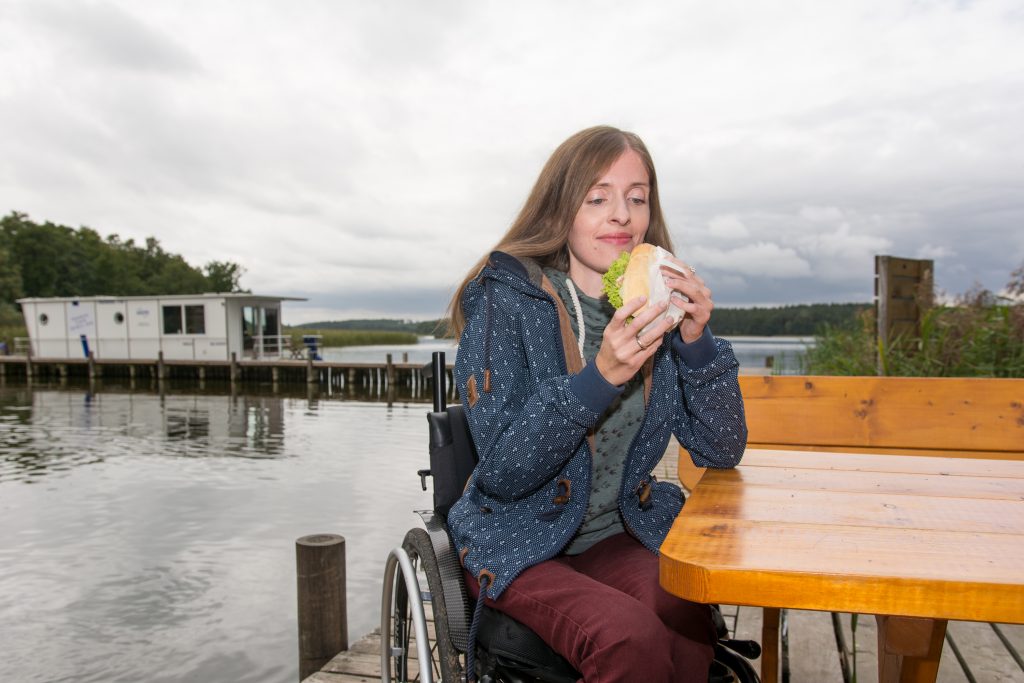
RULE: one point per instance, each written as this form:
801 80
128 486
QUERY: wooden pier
338 375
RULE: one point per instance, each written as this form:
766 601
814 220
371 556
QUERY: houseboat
182 327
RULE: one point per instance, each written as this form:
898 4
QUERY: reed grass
335 338
980 334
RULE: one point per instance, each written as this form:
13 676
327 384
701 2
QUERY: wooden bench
948 417
954 417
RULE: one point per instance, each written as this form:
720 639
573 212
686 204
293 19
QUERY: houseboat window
43 318
119 317
195 319
172 320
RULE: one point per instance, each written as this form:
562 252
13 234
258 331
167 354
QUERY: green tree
224 276
55 260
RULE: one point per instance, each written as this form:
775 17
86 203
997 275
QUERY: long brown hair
541 230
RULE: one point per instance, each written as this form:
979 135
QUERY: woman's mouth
618 239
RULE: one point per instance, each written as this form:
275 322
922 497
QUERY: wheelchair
423 578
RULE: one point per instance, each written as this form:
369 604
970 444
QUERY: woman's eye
596 201
638 200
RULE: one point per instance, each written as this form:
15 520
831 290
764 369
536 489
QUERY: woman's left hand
698 308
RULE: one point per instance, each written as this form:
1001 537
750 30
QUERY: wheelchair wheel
403 605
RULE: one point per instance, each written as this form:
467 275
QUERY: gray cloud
377 150
105 34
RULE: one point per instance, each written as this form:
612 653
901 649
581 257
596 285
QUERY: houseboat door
261 331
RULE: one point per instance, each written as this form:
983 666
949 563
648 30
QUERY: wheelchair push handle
437 371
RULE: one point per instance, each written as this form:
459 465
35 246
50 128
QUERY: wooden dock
379 376
338 375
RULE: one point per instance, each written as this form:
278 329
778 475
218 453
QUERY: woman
571 408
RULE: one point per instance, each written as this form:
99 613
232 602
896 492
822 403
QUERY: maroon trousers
605 613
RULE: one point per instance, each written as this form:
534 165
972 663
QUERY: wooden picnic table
914 540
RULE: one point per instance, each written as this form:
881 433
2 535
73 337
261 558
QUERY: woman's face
613 219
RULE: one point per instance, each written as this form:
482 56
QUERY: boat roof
163 297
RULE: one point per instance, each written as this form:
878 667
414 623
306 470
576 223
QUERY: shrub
980 334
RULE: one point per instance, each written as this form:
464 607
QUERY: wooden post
275 374
28 364
770 645
202 372
160 366
131 371
92 366
323 612
405 356
233 371
904 289
310 374
389 374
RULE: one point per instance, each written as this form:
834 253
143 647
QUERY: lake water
148 536
751 352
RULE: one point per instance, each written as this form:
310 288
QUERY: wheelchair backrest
452 453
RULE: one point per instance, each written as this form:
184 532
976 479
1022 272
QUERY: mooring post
160 366
28 364
91 361
310 375
389 375
323 612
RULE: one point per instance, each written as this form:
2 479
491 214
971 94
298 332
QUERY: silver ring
693 271
640 343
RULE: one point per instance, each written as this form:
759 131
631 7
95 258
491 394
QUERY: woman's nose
620 211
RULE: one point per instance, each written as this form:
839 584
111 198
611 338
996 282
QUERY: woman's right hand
623 351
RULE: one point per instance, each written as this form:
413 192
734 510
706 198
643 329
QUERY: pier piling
323 609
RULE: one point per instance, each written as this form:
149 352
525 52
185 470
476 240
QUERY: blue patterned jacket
532 407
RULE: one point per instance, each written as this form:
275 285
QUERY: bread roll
643 277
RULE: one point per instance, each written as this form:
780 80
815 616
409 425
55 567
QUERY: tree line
803 320
47 259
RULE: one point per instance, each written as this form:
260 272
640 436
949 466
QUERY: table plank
801 506
862 462
873 570
923 484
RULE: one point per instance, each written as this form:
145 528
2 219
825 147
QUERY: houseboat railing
260 347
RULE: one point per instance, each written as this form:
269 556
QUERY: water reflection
49 430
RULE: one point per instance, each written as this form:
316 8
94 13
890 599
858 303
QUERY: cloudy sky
364 155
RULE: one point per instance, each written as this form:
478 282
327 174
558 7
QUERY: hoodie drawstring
581 334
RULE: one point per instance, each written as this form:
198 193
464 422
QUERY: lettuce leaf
612 280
